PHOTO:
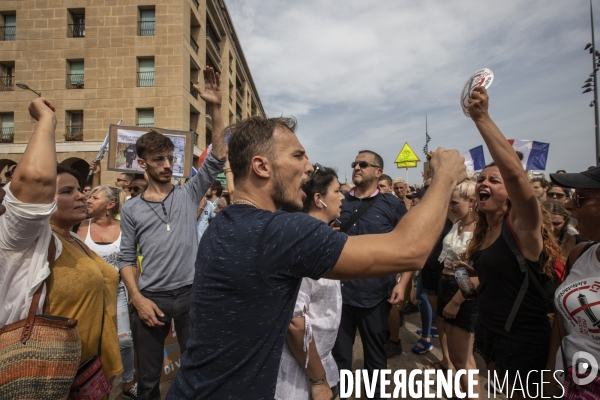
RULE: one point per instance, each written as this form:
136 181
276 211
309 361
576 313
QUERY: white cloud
363 74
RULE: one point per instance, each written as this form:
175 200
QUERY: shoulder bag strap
28 328
365 203
509 237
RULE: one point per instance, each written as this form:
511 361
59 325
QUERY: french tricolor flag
535 154
474 159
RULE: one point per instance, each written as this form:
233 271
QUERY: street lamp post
24 86
593 82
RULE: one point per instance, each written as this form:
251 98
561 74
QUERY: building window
212 36
7 76
146 24
8 32
77 23
145 117
75 76
145 72
8 127
208 137
74 131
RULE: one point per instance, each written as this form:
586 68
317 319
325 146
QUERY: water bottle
464 283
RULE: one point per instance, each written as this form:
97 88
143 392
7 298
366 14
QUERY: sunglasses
577 199
135 188
363 165
556 195
160 160
122 180
316 168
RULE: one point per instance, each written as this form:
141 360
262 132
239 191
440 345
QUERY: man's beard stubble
279 198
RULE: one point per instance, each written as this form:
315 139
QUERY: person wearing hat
416 196
583 266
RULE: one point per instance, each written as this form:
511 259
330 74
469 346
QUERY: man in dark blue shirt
366 305
252 259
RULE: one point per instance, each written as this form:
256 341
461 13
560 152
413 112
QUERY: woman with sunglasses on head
513 337
102 234
308 369
576 329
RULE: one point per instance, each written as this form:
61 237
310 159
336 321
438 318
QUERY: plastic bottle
464 283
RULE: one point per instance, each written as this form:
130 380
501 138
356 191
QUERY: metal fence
8 135
75 81
194 45
213 37
8 33
146 79
146 28
74 133
76 30
193 91
7 83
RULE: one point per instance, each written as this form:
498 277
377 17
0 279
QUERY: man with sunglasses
162 221
365 301
124 181
138 187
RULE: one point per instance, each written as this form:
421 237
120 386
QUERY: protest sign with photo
122 156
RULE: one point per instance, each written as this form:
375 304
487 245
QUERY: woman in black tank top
504 196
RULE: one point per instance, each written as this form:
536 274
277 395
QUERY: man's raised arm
34 181
407 247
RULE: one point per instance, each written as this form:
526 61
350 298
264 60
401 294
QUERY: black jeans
149 342
371 323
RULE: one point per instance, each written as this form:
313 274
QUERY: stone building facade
99 61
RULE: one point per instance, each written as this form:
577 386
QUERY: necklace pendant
168 227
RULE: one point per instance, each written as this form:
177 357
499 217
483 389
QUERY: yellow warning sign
407 157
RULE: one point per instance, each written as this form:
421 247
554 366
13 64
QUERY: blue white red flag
474 159
535 154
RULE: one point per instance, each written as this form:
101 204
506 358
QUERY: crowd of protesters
268 279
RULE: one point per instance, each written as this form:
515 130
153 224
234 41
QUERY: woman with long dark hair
512 336
558 217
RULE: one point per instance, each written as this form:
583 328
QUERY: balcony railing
196 137
76 30
7 83
74 133
75 81
146 124
207 111
196 3
146 28
146 79
238 116
210 34
193 91
8 135
194 45
8 33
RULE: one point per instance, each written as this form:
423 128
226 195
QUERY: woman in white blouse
307 368
457 315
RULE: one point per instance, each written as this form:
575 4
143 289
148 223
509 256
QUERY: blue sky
362 75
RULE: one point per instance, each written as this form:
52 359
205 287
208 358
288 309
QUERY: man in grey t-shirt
162 222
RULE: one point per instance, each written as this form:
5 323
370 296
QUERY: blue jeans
124 334
427 315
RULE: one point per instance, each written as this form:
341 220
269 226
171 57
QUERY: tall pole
595 72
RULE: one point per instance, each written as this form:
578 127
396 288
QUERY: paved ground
407 360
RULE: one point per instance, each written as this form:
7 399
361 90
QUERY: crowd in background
268 278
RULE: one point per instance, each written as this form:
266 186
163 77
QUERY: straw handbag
39 355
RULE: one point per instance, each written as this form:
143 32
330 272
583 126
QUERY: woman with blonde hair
456 315
102 234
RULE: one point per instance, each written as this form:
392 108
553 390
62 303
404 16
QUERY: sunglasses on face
556 195
577 199
135 188
363 165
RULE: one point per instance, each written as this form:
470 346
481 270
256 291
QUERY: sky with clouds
362 75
